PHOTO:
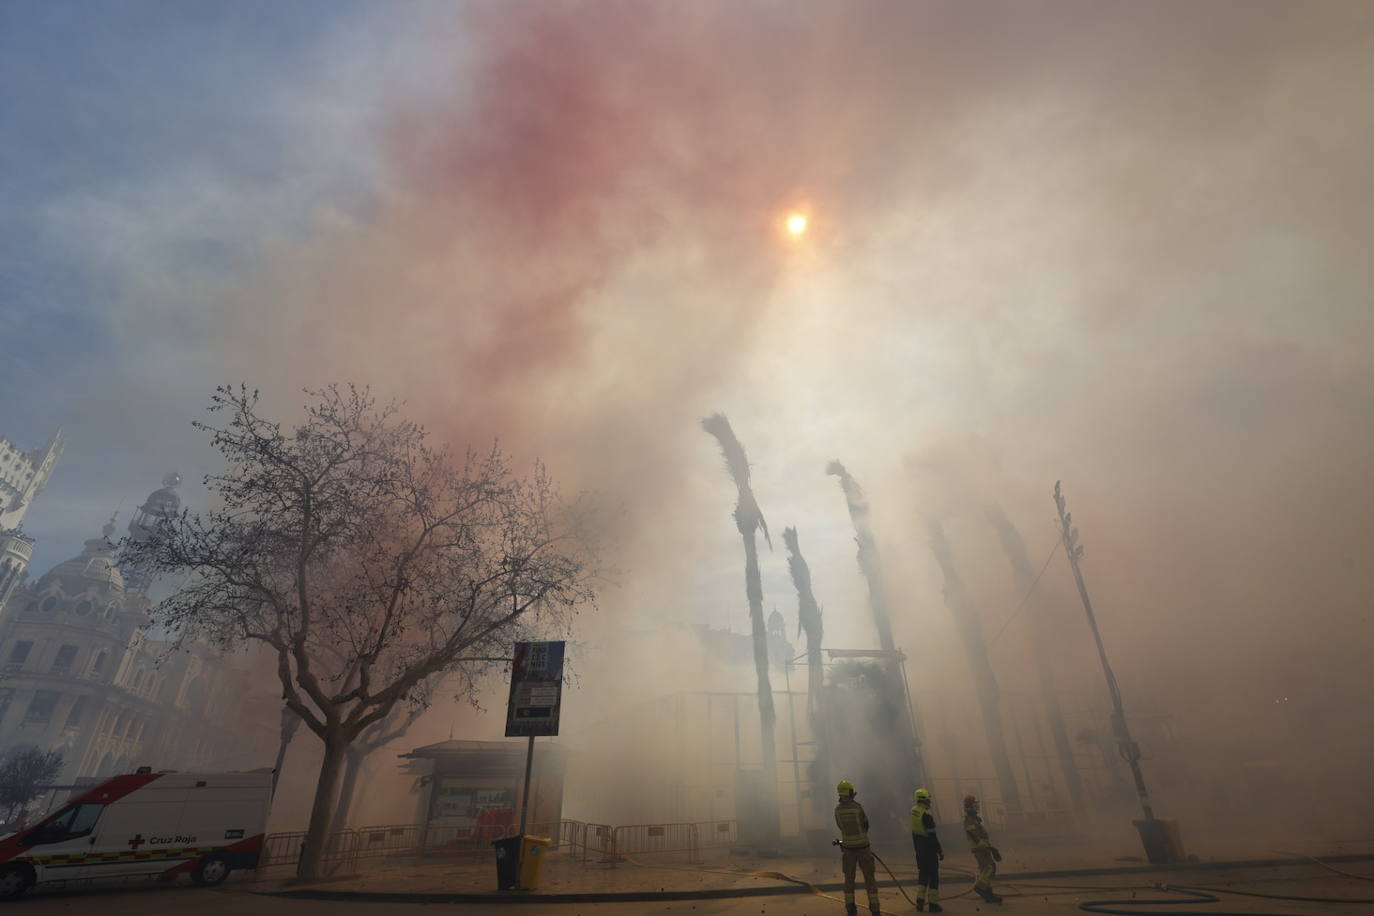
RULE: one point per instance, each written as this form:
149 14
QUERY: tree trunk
984 680
1015 549
353 764
290 722
767 715
871 567
748 520
317 834
809 619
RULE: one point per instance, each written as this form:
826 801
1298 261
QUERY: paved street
1033 899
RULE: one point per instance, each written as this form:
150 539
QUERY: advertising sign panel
536 689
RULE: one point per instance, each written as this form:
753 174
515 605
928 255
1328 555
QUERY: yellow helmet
921 795
845 788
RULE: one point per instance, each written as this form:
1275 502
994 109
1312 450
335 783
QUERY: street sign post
536 694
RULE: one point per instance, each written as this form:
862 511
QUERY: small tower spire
160 506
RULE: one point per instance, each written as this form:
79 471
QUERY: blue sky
101 103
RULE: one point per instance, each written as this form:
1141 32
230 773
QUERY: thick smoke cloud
1123 245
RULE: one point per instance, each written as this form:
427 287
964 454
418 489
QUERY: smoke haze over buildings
1122 245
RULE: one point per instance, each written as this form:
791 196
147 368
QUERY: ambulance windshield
76 821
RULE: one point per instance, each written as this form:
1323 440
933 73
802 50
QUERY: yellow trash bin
532 853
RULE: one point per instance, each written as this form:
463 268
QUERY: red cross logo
136 842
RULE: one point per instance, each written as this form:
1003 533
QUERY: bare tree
366 560
749 519
25 774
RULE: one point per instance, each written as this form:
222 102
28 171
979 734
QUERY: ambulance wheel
211 871
14 881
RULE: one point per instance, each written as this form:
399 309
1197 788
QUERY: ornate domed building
81 670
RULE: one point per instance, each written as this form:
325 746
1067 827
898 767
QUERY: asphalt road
1034 899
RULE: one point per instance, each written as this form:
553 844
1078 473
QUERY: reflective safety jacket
923 830
853 824
977 833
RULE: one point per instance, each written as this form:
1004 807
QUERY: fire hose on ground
1107 907
1206 895
811 888
901 890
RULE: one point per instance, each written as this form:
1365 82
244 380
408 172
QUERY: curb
774 890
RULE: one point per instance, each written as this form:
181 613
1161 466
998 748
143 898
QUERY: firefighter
983 850
853 824
929 855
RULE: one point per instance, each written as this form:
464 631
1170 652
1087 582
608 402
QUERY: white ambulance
144 823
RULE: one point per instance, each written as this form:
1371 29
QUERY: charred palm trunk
877 601
748 519
868 553
985 682
1015 549
809 620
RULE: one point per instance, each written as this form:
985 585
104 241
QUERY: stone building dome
91 576
165 502
160 506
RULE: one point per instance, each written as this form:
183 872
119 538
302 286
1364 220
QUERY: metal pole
922 776
1128 749
735 697
796 764
525 797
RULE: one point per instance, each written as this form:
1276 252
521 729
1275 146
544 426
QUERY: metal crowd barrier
340 851
388 840
599 837
638 839
717 834
476 840
590 842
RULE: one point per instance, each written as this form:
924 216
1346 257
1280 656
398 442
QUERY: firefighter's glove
996 855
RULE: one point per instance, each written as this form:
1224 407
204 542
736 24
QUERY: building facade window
6 698
83 608
62 664
74 714
19 654
98 665
48 604
41 707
